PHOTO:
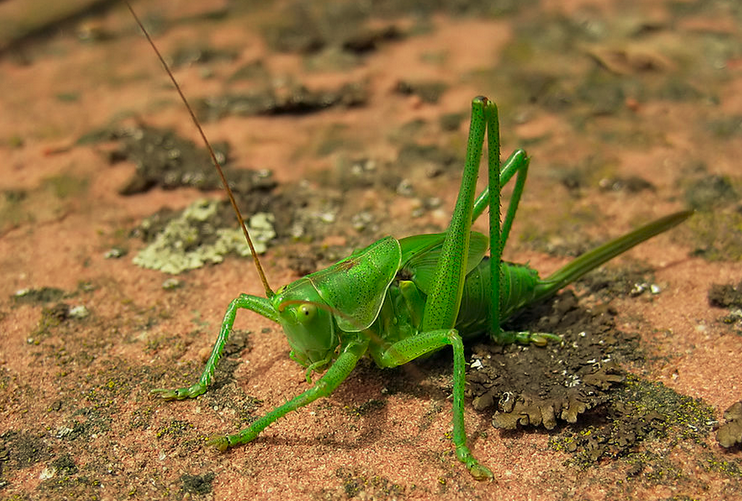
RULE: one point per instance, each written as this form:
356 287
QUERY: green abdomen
517 290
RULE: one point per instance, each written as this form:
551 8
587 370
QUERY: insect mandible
397 300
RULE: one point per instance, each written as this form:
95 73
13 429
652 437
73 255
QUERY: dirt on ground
338 123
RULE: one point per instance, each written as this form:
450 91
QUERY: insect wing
356 286
421 254
417 244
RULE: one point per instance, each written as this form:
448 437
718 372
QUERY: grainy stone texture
353 123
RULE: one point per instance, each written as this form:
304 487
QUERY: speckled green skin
398 300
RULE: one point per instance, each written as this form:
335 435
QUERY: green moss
357 483
639 412
38 296
63 479
66 186
141 418
65 465
682 416
366 408
23 449
717 236
710 193
15 141
729 467
68 97
726 128
428 91
175 428
42 203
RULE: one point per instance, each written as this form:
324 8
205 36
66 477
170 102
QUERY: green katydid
397 300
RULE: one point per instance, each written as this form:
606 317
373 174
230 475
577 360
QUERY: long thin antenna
268 291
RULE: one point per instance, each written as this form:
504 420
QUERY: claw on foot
543 338
180 393
540 339
478 471
220 442
481 472
165 394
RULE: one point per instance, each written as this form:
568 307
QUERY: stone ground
342 122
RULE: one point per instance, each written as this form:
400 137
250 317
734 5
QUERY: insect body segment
356 285
397 300
309 330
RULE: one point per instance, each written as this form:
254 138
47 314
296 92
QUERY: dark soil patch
296 100
726 295
38 296
537 386
169 161
609 412
198 484
636 412
22 449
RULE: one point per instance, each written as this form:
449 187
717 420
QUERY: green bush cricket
397 300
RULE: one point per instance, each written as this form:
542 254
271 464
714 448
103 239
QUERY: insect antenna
268 291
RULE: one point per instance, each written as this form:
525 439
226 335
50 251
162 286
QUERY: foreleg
254 303
336 374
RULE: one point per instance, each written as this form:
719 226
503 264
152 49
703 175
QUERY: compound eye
306 312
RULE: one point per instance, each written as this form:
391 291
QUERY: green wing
356 286
420 254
